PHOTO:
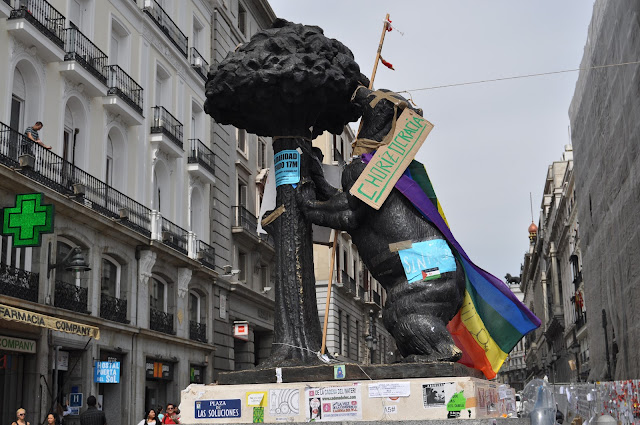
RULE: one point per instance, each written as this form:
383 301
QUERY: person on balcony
32 133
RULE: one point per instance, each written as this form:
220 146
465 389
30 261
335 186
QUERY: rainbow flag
491 320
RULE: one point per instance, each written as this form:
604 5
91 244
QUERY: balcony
70 297
18 283
166 132
206 255
245 225
5 8
37 23
160 321
166 25
198 63
267 241
201 161
124 95
54 172
197 331
174 236
112 308
84 63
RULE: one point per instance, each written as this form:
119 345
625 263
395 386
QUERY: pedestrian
171 416
21 415
32 133
160 414
52 419
151 418
62 412
92 416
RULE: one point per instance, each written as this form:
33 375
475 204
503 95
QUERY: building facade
145 187
551 280
604 129
354 323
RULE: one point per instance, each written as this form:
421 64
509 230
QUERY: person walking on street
150 418
21 415
32 133
52 419
171 415
92 416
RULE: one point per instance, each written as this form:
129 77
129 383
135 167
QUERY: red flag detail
389 27
387 64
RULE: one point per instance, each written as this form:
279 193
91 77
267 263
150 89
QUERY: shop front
17 371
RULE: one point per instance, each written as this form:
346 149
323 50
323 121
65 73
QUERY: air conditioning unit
79 189
27 161
167 237
124 213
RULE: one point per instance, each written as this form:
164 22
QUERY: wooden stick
335 235
375 65
326 307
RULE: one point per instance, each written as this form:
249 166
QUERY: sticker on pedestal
437 394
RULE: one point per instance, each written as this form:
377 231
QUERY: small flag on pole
387 64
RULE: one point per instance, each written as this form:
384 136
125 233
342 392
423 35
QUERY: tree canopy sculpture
291 83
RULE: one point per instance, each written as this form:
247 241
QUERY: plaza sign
55 323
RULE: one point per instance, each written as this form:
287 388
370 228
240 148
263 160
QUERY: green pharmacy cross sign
28 220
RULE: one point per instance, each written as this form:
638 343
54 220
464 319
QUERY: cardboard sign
389 162
427 260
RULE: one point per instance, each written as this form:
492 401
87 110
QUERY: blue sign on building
75 400
287 166
106 372
216 409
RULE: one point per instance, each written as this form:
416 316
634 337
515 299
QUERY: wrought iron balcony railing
243 218
44 17
79 48
60 175
123 86
165 123
200 154
376 298
166 25
112 308
197 331
71 297
198 63
18 283
161 321
206 254
174 236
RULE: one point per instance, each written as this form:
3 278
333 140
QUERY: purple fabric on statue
412 191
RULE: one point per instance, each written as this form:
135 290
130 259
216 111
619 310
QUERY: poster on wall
284 403
437 394
333 403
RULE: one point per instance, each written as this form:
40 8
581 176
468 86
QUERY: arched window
194 307
26 100
110 277
108 178
159 317
197 317
70 293
113 305
196 219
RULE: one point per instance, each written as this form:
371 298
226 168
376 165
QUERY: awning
55 323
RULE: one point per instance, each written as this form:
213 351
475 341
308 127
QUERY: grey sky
492 142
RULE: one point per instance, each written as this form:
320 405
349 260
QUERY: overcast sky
492 142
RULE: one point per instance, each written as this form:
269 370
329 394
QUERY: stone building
604 132
354 331
551 280
148 190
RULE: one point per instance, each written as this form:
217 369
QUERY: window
163 88
197 39
242 266
157 296
348 336
109 162
242 140
264 276
110 278
195 308
242 19
119 48
262 154
339 331
242 194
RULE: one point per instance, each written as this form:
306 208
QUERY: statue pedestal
398 392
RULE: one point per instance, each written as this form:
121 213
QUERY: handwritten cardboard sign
389 162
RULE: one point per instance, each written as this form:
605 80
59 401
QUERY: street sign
75 400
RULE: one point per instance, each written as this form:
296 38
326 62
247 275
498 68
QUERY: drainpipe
55 374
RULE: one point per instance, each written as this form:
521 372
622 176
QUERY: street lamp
73 262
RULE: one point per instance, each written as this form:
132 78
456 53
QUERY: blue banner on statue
106 372
287 166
